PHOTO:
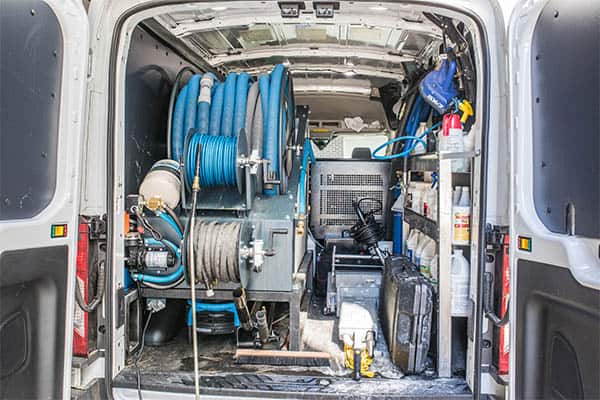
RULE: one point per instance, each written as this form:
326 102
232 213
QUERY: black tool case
407 314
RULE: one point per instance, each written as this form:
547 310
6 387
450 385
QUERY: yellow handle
467 110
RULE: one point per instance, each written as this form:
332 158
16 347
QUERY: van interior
296 200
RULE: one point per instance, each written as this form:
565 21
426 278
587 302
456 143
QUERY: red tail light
504 345
80 319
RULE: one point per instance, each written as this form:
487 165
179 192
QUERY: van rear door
555 200
43 57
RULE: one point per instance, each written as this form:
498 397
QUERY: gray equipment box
335 183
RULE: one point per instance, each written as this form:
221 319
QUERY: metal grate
353 180
339 202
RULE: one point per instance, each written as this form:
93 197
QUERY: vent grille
340 201
337 221
353 180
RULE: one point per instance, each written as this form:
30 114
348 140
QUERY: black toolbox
408 305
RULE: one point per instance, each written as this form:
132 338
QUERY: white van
203 199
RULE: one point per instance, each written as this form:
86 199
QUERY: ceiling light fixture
378 8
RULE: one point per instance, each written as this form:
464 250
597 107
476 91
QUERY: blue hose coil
218 161
216 110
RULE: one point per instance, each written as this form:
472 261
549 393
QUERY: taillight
80 318
504 339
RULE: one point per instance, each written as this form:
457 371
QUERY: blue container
398 226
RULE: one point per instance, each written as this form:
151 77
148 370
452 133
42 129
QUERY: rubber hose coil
217 251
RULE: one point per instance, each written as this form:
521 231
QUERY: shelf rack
441 231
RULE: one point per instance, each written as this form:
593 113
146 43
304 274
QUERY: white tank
162 183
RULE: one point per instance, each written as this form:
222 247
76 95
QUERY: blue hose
307 156
169 220
414 140
177 131
263 86
271 142
203 113
228 105
217 163
191 104
241 100
216 110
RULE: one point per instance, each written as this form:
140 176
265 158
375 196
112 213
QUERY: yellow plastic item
365 361
467 110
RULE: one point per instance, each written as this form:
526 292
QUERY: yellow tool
467 110
365 361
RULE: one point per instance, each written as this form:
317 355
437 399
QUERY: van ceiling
362 40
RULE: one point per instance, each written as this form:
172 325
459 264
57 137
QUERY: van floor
170 368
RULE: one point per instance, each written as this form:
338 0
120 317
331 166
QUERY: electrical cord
93 304
138 356
367 230
172 99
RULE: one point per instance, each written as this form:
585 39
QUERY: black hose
174 92
367 230
167 286
93 304
174 216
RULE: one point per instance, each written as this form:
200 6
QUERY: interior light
219 8
291 9
378 8
350 72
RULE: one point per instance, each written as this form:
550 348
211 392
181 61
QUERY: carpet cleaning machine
224 212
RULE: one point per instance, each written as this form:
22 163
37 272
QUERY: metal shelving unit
441 231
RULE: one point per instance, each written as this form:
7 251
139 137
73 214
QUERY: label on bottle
461 226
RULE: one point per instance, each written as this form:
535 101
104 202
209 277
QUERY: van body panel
555 274
43 72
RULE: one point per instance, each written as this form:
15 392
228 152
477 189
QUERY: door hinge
494 236
97 227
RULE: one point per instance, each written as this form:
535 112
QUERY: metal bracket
97 227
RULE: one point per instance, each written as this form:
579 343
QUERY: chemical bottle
456 195
452 140
461 219
460 283
426 258
420 147
430 204
405 231
411 243
423 242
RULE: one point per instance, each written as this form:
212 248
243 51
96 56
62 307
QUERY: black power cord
138 356
367 231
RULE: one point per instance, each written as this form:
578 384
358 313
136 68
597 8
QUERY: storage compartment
274 161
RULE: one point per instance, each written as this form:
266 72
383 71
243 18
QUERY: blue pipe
398 233
216 110
405 152
271 143
169 220
191 104
228 105
177 136
241 100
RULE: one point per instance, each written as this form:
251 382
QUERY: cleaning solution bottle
459 272
461 219
423 242
426 258
434 269
411 243
420 148
453 140
456 195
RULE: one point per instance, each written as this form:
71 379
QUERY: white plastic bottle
434 269
430 204
426 258
423 242
420 148
456 195
460 283
461 219
455 144
411 243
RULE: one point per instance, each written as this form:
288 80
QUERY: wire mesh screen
335 184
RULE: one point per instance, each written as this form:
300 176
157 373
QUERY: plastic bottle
411 243
452 140
460 283
420 148
423 242
417 198
456 195
461 219
430 204
426 258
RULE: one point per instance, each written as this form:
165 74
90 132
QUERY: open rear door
555 217
42 88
